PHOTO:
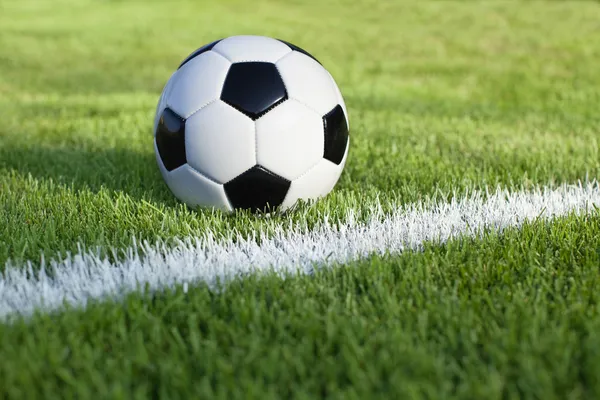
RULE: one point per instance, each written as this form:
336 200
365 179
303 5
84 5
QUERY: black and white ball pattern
250 122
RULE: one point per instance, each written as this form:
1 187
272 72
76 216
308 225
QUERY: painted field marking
85 276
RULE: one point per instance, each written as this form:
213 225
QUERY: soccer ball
250 122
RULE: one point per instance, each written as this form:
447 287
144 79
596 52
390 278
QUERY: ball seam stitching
308 170
213 181
283 56
199 109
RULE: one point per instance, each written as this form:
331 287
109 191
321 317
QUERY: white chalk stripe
85 276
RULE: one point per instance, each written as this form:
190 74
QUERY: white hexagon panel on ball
289 139
250 122
220 142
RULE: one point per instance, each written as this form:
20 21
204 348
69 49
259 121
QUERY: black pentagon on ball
298 49
199 51
253 88
170 139
257 189
336 135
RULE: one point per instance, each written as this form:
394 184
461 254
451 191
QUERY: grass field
444 98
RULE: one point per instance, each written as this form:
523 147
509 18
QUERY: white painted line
84 276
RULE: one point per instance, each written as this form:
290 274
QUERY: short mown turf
442 97
510 316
